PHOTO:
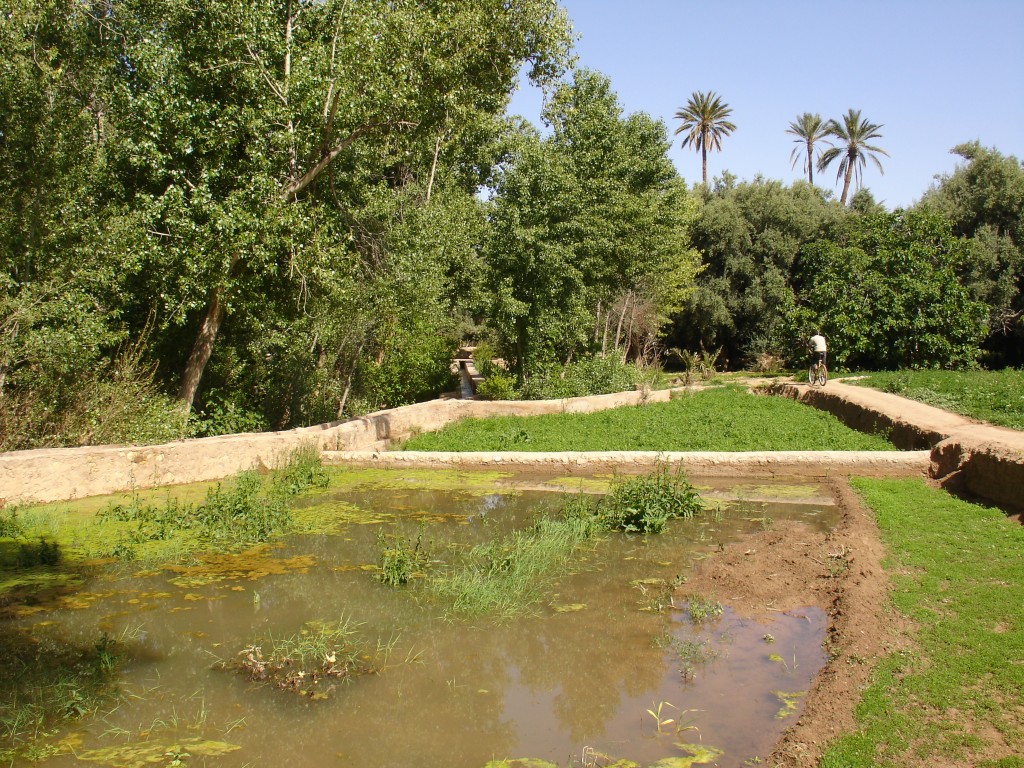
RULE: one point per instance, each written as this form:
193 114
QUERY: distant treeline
251 215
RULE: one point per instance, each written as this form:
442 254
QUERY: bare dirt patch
792 566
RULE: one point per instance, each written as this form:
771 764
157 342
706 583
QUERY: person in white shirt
819 347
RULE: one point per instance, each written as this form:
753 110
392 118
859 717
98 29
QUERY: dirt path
793 566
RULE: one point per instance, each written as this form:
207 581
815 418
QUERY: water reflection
456 693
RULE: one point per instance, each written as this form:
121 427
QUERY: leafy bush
219 414
498 386
399 558
594 375
302 470
645 504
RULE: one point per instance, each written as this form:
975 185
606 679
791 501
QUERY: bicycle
817 373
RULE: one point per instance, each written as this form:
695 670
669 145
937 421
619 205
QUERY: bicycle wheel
822 374
812 374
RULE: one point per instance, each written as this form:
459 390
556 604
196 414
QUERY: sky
933 73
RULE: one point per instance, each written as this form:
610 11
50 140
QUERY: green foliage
588 232
705 125
750 236
303 469
45 553
984 200
593 375
221 416
719 419
888 294
645 504
304 662
511 575
47 682
852 149
247 508
993 396
399 558
951 564
250 187
498 386
702 608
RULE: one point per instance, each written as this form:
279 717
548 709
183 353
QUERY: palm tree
854 133
808 129
704 120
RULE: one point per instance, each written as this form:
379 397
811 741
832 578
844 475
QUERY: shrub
594 375
497 386
645 504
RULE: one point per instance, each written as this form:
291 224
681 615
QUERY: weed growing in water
44 682
399 558
509 575
301 471
646 503
703 608
311 662
244 509
692 654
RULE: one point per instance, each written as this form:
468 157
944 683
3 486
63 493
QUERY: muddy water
572 682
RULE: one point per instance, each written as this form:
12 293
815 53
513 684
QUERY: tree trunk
622 316
202 349
846 183
810 162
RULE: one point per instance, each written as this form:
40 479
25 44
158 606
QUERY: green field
717 419
956 698
993 396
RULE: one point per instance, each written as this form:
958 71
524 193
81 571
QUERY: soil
792 566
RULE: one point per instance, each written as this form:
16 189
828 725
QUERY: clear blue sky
934 73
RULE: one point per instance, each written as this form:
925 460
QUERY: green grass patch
956 570
993 396
718 419
512 574
45 682
159 525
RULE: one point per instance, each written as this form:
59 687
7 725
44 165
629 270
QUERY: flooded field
616 662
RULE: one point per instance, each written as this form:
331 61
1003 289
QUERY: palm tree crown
854 134
809 129
705 124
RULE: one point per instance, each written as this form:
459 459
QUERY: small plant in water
645 504
703 608
309 662
660 714
399 558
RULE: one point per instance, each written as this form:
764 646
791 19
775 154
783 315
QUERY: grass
46 682
159 525
993 396
718 419
956 698
513 574
309 662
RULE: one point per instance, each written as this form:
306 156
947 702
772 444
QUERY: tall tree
589 218
705 124
240 118
809 130
984 199
888 293
853 133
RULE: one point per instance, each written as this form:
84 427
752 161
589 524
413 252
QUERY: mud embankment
980 459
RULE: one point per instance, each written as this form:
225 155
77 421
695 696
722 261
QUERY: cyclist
819 348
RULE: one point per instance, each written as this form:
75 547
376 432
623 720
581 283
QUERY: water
574 681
